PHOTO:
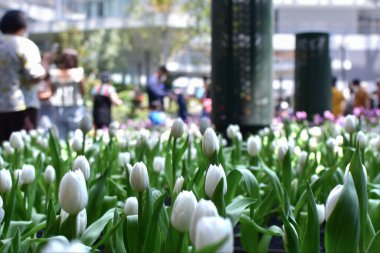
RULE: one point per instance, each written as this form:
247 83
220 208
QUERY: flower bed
185 189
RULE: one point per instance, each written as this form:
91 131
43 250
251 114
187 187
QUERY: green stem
173 160
140 221
34 230
180 242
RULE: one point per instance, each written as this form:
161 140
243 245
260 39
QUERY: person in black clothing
104 95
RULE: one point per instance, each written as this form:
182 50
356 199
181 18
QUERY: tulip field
295 186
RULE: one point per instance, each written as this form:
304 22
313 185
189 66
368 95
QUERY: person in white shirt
20 67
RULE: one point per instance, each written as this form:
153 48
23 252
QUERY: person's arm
115 99
33 70
81 87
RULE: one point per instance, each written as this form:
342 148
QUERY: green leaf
147 212
273 230
218 198
16 241
152 233
342 228
168 170
9 207
111 231
310 242
213 247
356 169
287 172
374 246
275 182
92 233
249 238
236 208
96 193
19 226
250 181
68 227
291 238
131 227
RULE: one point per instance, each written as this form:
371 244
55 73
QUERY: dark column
242 63
312 73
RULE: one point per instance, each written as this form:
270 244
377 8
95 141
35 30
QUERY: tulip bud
210 143
16 141
303 159
81 220
313 178
49 174
177 129
2 214
361 139
81 163
2 163
77 144
332 199
178 185
232 130
124 158
158 163
204 124
73 195
350 124
17 176
321 213
139 177
5 180
331 143
8 150
282 150
213 176
28 174
85 123
61 244
205 208
183 210
1 202
211 230
131 206
254 145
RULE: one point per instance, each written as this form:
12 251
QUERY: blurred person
104 96
338 100
361 96
206 99
67 84
156 88
20 68
376 95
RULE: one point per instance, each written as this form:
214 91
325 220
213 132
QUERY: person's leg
11 122
30 119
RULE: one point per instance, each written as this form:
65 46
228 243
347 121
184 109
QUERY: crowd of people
358 97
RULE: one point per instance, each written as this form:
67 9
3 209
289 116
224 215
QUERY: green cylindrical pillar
312 73
242 63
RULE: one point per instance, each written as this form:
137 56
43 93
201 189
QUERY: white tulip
81 220
49 174
1 202
205 208
17 175
361 139
321 213
254 145
59 244
77 144
213 176
331 143
16 141
183 210
85 123
129 168
124 158
350 124
302 159
239 136
232 130
73 195
374 143
282 150
210 143
81 163
178 185
211 230
5 180
332 199
139 178
158 163
42 141
177 129
7 149
313 178
131 206
2 163
204 123
28 174
2 214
